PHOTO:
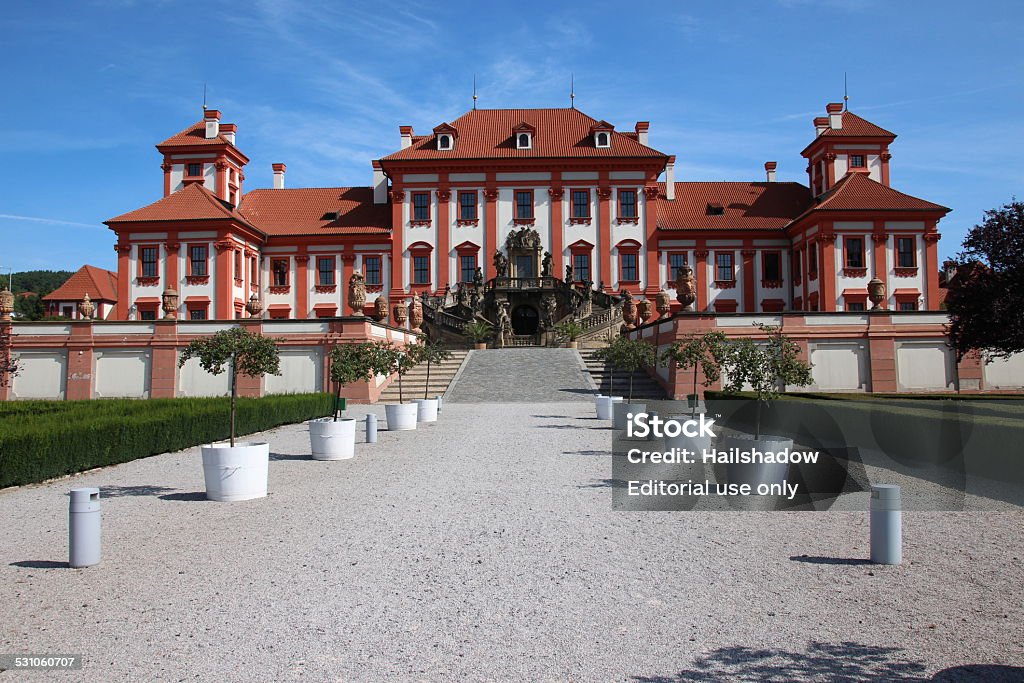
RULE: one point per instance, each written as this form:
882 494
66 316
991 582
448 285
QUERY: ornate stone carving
396 195
500 264
380 309
686 287
879 238
254 306
931 237
556 192
166 166
86 307
568 274
885 156
169 304
524 238
415 315
628 309
491 194
546 264
604 193
444 195
357 293
504 323
829 237
478 278
549 308
876 294
651 192
644 310
6 305
122 248
663 303
224 245
400 314
302 258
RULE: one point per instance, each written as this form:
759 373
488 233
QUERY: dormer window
444 141
716 210
523 135
602 140
602 134
445 137
524 141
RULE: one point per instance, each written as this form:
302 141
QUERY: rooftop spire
572 91
204 96
846 94
474 92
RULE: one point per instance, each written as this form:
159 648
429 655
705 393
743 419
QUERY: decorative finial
846 94
572 91
474 92
204 96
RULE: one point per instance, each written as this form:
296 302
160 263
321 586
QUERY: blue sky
90 87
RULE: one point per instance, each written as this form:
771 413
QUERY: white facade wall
302 371
905 228
121 373
840 365
925 365
42 375
194 381
1005 373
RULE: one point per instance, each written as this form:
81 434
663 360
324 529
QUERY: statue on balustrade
549 308
504 323
568 275
546 265
500 264
357 293
686 287
478 278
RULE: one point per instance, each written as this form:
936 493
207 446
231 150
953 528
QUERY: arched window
602 139
444 142
524 141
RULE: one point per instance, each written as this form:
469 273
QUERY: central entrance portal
524 320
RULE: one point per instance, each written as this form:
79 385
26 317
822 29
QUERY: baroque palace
537 214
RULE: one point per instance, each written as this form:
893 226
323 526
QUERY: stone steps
413 384
644 386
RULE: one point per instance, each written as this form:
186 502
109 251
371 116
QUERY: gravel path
484 548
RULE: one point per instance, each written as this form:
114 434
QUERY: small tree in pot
400 360
235 471
629 355
569 331
334 438
479 332
430 352
707 351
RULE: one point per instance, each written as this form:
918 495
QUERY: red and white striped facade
445 202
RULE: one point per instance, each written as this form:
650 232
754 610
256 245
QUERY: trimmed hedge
40 440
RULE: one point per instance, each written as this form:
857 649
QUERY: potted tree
570 330
630 355
398 360
765 368
334 438
235 470
478 332
430 352
707 351
603 404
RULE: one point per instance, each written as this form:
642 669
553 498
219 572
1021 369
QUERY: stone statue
463 295
504 323
600 286
546 265
478 278
357 293
447 294
525 238
501 264
6 304
380 309
568 274
686 287
876 294
550 309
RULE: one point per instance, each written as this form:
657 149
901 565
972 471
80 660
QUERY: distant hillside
39 283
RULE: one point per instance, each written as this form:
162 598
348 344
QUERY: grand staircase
644 386
413 384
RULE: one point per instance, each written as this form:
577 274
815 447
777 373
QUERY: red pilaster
882 351
827 268
347 266
222 179
251 386
167 167
880 256
163 381
224 309
397 243
651 229
604 239
749 286
931 268
557 230
830 169
970 373
701 268
491 240
172 247
124 278
885 166
80 362
301 286
444 196
803 275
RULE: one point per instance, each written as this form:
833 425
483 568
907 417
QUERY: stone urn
170 304
663 303
686 287
644 309
255 307
400 314
85 307
6 304
629 312
380 309
876 294
415 315
357 293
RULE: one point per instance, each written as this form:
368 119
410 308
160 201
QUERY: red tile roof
487 134
856 191
193 135
192 202
99 284
855 126
302 211
746 206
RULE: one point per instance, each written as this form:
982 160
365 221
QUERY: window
716 210
629 268
581 203
603 140
675 261
856 161
279 268
627 204
238 264
254 271
444 141
197 314
467 268
905 252
724 268
148 257
421 270
467 206
854 251
581 267
855 306
147 314
524 204
523 141
373 270
772 264
812 259
797 272
195 170
908 306
421 206
325 270
197 260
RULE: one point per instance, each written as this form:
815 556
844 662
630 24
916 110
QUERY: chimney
670 178
380 184
279 170
212 119
641 131
228 130
835 115
769 170
820 125
406 132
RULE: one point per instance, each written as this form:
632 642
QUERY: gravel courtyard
484 548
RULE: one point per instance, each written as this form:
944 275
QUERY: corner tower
205 154
846 143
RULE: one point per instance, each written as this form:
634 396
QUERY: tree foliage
355 362
570 330
627 355
707 351
33 285
400 360
478 331
985 298
432 352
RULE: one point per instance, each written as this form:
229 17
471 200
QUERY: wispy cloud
49 221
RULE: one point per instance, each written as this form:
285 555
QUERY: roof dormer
523 135
602 134
445 135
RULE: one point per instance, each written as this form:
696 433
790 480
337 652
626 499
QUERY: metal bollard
371 428
886 524
440 400
84 528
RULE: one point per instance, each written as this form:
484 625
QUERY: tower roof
192 136
99 284
858 192
191 203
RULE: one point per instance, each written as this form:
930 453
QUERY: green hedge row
63 437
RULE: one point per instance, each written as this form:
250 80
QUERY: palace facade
444 203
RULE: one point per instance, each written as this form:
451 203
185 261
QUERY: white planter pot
694 444
621 409
330 440
604 406
236 472
756 473
426 409
401 416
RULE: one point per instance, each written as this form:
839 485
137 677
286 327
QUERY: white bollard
84 528
886 524
440 401
371 428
